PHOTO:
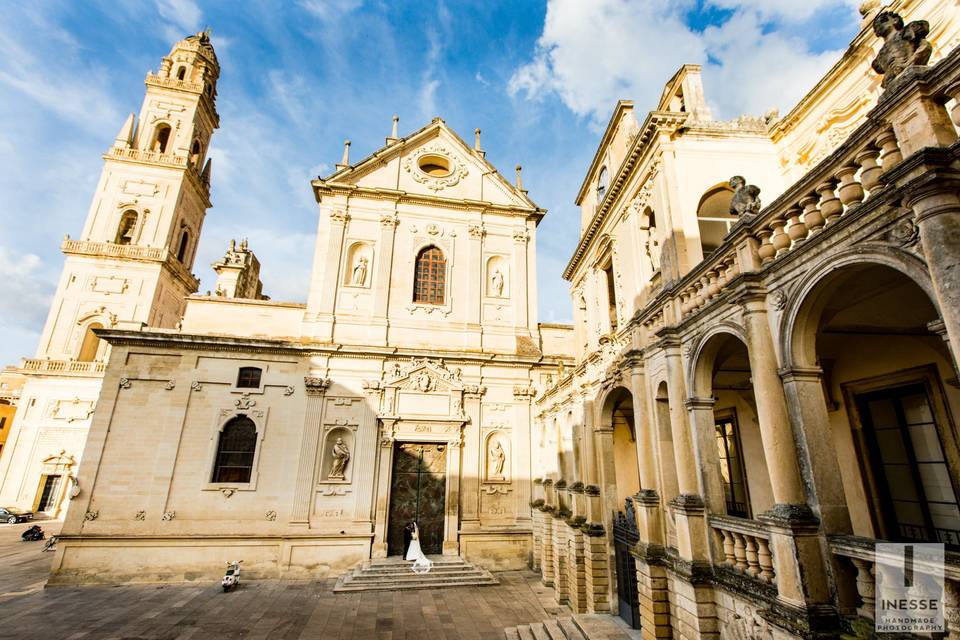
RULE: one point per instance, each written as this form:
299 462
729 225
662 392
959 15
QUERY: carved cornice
316 386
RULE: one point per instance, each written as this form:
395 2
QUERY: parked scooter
33 533
232 577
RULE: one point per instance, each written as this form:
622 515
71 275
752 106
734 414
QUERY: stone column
307 465
546 524
644 430
384 268
451 520
700 412
595 555
808 412
478 283
473 444
331 277
384 470
589 446
519 289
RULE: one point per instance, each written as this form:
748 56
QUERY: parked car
13 516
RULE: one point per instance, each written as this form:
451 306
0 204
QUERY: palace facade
762 392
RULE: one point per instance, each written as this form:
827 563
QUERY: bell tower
132 263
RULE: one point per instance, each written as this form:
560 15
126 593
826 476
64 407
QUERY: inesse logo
909 594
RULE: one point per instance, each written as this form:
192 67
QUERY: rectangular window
249 378
917 497
732 470
611 297
48 495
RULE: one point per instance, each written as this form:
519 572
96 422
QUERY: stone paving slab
270 609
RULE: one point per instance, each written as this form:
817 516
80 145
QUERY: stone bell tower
131 266
132 262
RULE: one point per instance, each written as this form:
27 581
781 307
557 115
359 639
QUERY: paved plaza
272 609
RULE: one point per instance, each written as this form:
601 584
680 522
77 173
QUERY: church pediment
433 162
425 376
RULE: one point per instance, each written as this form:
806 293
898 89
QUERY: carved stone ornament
494 489
196 385
387 220
339 216
476 230
520 235
227 492
746 197
904 232
288 391
245 402
124 383
316 385
90 516
435 183
169 515
170 385
270 515
903 45
780 300
140 515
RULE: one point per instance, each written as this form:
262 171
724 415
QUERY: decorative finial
233 244
346 154
396 119
519 178
476 140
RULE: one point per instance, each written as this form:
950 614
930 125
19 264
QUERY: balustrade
746 546
63 366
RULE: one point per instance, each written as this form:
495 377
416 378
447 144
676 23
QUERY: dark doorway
417 489
625 536
48 495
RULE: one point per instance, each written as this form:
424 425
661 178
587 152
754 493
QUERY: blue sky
298 77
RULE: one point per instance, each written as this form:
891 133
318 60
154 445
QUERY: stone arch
704 353
162 138
617 414
798 323
713 216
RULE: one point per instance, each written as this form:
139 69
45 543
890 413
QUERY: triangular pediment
425 375
433 162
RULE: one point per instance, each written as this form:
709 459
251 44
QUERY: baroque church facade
759 385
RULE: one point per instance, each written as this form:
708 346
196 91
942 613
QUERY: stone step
581 627
393 573
570 630
598 626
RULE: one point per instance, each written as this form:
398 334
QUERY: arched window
161 138
90 344
602 182
126 228
714 217
181 73
238 443
249 378
195 153
430 277
184 242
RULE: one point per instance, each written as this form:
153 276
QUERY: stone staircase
390 574
580 627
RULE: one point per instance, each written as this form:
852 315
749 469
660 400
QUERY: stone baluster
729 558
765 559
887 141
871 171
733 267
866 587
704 290
830 206
698 295
850 191
753 563
797 231
713 286
812 217
739 552
765 250
780 240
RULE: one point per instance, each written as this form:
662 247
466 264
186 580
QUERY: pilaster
307 466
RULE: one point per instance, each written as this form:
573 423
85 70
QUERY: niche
497 458
338 455
359 271
497 278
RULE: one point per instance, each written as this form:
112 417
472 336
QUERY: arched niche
497 277
359 265
338 446
90 345
496 452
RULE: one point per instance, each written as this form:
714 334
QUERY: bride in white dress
421 563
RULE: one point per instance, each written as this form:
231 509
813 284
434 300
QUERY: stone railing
746 546
173 83
142 155
862 554
74 367
840 184
86 247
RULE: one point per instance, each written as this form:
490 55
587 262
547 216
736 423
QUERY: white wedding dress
421 563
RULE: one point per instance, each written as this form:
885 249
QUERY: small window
182 73
611 297
195 153
184 242
732 471
434 165
126 228
90 344
602 183
238 443
430 276
249 378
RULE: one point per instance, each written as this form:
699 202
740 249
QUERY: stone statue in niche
423 382
496 283
653 248
497 459
359 278
903 45
341 456
746 197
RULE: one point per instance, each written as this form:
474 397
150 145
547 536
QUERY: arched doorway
886 381
618 417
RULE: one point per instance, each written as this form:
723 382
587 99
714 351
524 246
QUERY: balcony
746 547
63 367
142 155
131 252
172 83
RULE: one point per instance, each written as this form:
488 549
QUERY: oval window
433 165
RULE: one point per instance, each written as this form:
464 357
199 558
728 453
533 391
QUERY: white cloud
330 10
591 54
24 291
185 15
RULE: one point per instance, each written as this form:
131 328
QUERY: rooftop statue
903 46
746 197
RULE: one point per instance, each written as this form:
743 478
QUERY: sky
298 77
